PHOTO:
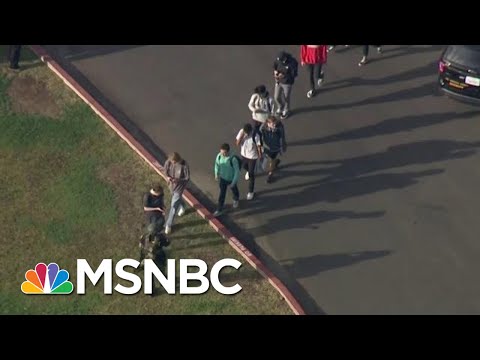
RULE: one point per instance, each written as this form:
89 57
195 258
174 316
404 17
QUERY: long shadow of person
421 152
312 265
389 126
347 178
309 220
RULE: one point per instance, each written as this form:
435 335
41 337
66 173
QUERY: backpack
230 160
239 160
294 65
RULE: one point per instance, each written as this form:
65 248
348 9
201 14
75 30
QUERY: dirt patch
29 96
128 201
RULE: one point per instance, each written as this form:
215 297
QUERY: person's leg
366 49
14 56
251 173
272 163
236 195
223 191
181 207
287 90
319 73
365 55
278 97
244 165
311 76
174 206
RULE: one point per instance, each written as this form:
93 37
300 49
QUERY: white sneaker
320 82
379 49
250 196
235 204
181 211
310 94
168 230
218 213
247 177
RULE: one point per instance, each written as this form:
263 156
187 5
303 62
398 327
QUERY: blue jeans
177 202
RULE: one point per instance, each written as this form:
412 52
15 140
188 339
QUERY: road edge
150 159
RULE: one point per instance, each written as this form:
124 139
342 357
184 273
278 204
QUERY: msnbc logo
47 280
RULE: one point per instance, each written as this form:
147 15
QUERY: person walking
314 57
261 105
227 170
178 173
274 143
285 70
251 151
365 53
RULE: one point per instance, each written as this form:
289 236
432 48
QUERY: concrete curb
150 159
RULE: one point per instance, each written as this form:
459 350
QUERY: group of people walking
261 142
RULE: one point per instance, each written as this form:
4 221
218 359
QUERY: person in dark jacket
285 70
274 143
153 205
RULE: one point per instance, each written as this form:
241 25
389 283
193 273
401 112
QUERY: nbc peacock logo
47 280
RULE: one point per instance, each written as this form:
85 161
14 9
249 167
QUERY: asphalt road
375 210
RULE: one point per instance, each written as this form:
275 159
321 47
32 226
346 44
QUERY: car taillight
442 66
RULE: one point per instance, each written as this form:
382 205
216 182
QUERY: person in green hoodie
227 170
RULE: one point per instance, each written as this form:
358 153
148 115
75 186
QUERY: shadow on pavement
405 94
348 178
422 152
389 126
410 74
312 265
78 52
332 191
390 53
310 220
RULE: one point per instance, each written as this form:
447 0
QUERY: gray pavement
375 210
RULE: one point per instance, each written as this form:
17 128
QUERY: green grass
69 189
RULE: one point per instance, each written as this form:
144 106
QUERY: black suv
459 72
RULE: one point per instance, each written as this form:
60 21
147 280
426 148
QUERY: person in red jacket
313 57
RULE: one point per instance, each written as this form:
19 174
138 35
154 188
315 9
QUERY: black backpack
293 63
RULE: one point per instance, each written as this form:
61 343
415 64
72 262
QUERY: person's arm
162 205
324 52
186 172
259 145
303 54
275 70
251 104
236 171
147 207
216 167
284 140
167 169
271 103
239 138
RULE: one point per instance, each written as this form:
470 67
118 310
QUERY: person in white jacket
261 105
